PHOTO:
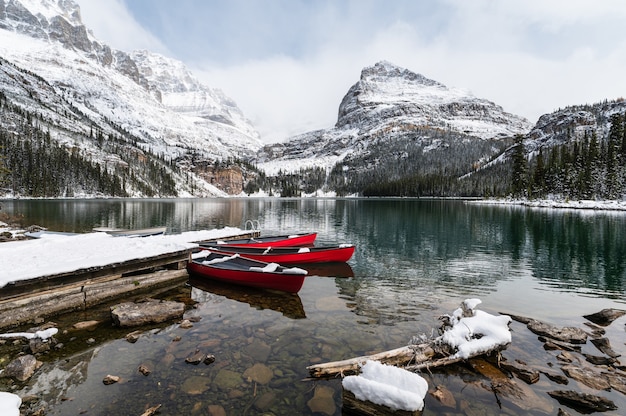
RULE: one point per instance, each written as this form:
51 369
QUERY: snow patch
477 333
389 386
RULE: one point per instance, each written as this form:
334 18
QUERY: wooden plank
46 282
27 308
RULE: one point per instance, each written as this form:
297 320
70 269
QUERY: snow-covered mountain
154 99
390 103
573 123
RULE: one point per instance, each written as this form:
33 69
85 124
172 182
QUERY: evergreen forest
34 165
590 168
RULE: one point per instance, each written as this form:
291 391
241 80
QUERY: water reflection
434 245
289 304
328 269
571 250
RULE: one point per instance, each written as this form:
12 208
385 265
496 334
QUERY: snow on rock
44 334
389 386
474 332
28 259
10 404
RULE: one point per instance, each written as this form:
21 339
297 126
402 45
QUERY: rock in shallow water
152 311
322 401
195 385
260 373
22 368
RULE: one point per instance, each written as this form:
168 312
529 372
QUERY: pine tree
538 184
519 182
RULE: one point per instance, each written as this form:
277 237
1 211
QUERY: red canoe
293 240
288 255
247 272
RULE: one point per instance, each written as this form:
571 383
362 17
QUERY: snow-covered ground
52 254
616 205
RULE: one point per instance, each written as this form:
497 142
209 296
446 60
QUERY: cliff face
230 180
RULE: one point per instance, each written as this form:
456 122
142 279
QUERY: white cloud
113 24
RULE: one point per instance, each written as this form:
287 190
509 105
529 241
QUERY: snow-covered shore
612 205
52 254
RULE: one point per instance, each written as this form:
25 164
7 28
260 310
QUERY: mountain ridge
390 101
50 24
144 125
166 110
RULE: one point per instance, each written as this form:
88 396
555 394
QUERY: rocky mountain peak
391 94
44 19
383 71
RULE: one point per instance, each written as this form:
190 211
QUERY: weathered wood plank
410 354
46 282
80 296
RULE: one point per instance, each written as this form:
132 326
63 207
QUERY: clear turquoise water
415 260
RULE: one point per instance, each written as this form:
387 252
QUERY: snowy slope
153 98
389 102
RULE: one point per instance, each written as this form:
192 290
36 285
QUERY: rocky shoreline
565 362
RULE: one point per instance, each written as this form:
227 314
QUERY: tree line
34 165
590 168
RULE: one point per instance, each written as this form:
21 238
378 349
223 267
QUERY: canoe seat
271 267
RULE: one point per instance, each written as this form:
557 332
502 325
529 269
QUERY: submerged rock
195 385
22 368
216 410
445 397
260 373
149 312
605 317
584 402
86 325
227 379
265 401
322 401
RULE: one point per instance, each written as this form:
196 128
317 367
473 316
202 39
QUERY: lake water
415 260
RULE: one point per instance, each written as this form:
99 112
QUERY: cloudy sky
288 63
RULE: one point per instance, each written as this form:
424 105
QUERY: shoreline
583 204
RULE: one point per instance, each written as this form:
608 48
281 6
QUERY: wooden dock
29 301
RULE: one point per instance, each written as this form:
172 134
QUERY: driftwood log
411 357
403 356
414 357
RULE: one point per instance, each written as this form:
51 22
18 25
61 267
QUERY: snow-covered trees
592 168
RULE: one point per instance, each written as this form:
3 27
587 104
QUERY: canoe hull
295 240
221 272
339 254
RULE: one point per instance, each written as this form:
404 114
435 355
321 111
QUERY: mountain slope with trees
573 159
141 118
